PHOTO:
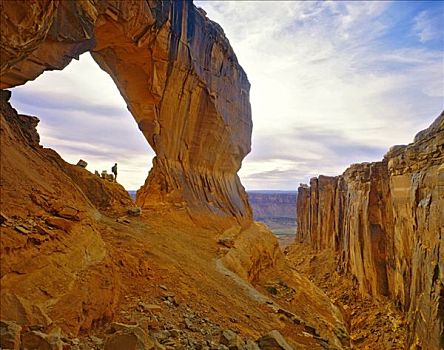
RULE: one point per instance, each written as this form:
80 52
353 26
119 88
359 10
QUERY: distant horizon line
288 191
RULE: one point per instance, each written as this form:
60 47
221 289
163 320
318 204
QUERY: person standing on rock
114 170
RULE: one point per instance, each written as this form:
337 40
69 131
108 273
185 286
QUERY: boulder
67 212
273 341
22 229
123 220
60 223
82 163
3 218
134 211
153 308
251 345
9 335
232 340
227 242
106 176
41 341
128 337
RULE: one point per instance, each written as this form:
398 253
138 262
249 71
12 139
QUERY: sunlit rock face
54 264
385 220
178 75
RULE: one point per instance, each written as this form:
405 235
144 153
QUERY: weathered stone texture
177 73
67 255
385 220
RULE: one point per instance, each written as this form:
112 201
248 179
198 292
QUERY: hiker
114 170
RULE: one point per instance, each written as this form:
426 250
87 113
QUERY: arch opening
179 77
83 116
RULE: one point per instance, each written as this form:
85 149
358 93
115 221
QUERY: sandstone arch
177 73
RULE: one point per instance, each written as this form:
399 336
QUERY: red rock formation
385 221
54 263
176 71
254 250
255 257
64 259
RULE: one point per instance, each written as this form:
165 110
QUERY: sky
332 83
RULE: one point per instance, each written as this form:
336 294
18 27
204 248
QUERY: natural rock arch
177 73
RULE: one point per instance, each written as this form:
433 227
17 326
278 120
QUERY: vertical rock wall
178 75
385 220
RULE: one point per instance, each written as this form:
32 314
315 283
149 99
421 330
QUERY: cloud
308 143
429 26
332 83
41 100
82 115
284 160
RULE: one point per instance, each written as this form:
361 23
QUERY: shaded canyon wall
385 221
177 73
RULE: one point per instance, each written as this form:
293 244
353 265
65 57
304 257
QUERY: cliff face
176 71
385 221
65 261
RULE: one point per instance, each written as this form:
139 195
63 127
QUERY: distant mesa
277 210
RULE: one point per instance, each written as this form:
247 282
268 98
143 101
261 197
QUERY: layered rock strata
276 209
254 257
67 266
269 204
177 73
385 221
54 264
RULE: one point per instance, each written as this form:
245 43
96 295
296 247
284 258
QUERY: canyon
277 210
384 223
79 272
274 208
185 265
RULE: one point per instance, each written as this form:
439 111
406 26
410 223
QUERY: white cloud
322 64
428 26
82 115
327 91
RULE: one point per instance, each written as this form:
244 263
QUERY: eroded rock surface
70 260
385 222
178 75
67 262
54 262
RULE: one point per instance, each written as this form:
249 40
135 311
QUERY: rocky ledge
385 222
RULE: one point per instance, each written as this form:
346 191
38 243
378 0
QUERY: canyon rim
185 265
